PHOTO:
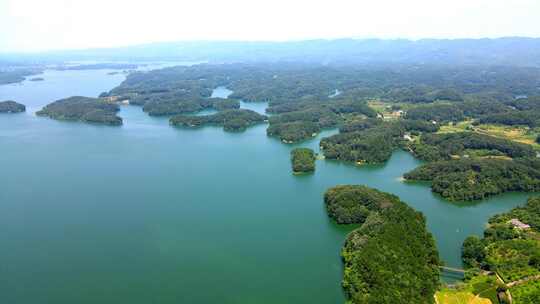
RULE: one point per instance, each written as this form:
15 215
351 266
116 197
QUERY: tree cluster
302 160
474 179
86 109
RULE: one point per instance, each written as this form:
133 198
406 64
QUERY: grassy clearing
389 110
520 134
459 297
480 290
516 133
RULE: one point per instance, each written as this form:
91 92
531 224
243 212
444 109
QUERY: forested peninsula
10 106
391 255
85 109
474 179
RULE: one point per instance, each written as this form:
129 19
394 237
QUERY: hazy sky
30 25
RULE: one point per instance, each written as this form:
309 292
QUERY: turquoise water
223 92
147 213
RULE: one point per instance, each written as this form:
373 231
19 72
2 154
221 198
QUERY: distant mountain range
512 51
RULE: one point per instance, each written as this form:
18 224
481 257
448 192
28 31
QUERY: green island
391 255
10 106
231 120
85 109
503 266
303 160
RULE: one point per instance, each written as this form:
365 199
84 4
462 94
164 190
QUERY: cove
147 213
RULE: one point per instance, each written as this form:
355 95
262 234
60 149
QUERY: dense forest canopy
371 141
392 255
86 109
302 160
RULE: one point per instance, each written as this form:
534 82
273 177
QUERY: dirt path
518 282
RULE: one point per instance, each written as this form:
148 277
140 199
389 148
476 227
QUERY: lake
148 213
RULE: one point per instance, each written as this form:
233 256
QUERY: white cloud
57 24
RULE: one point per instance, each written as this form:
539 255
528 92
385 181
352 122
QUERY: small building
408 137
518 224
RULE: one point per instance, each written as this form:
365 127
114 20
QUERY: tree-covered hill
86 109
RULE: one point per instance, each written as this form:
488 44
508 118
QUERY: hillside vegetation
511 249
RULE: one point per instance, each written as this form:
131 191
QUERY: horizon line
275 41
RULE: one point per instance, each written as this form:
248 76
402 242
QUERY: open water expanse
148 213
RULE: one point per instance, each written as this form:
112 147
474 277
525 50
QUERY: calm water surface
146 213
